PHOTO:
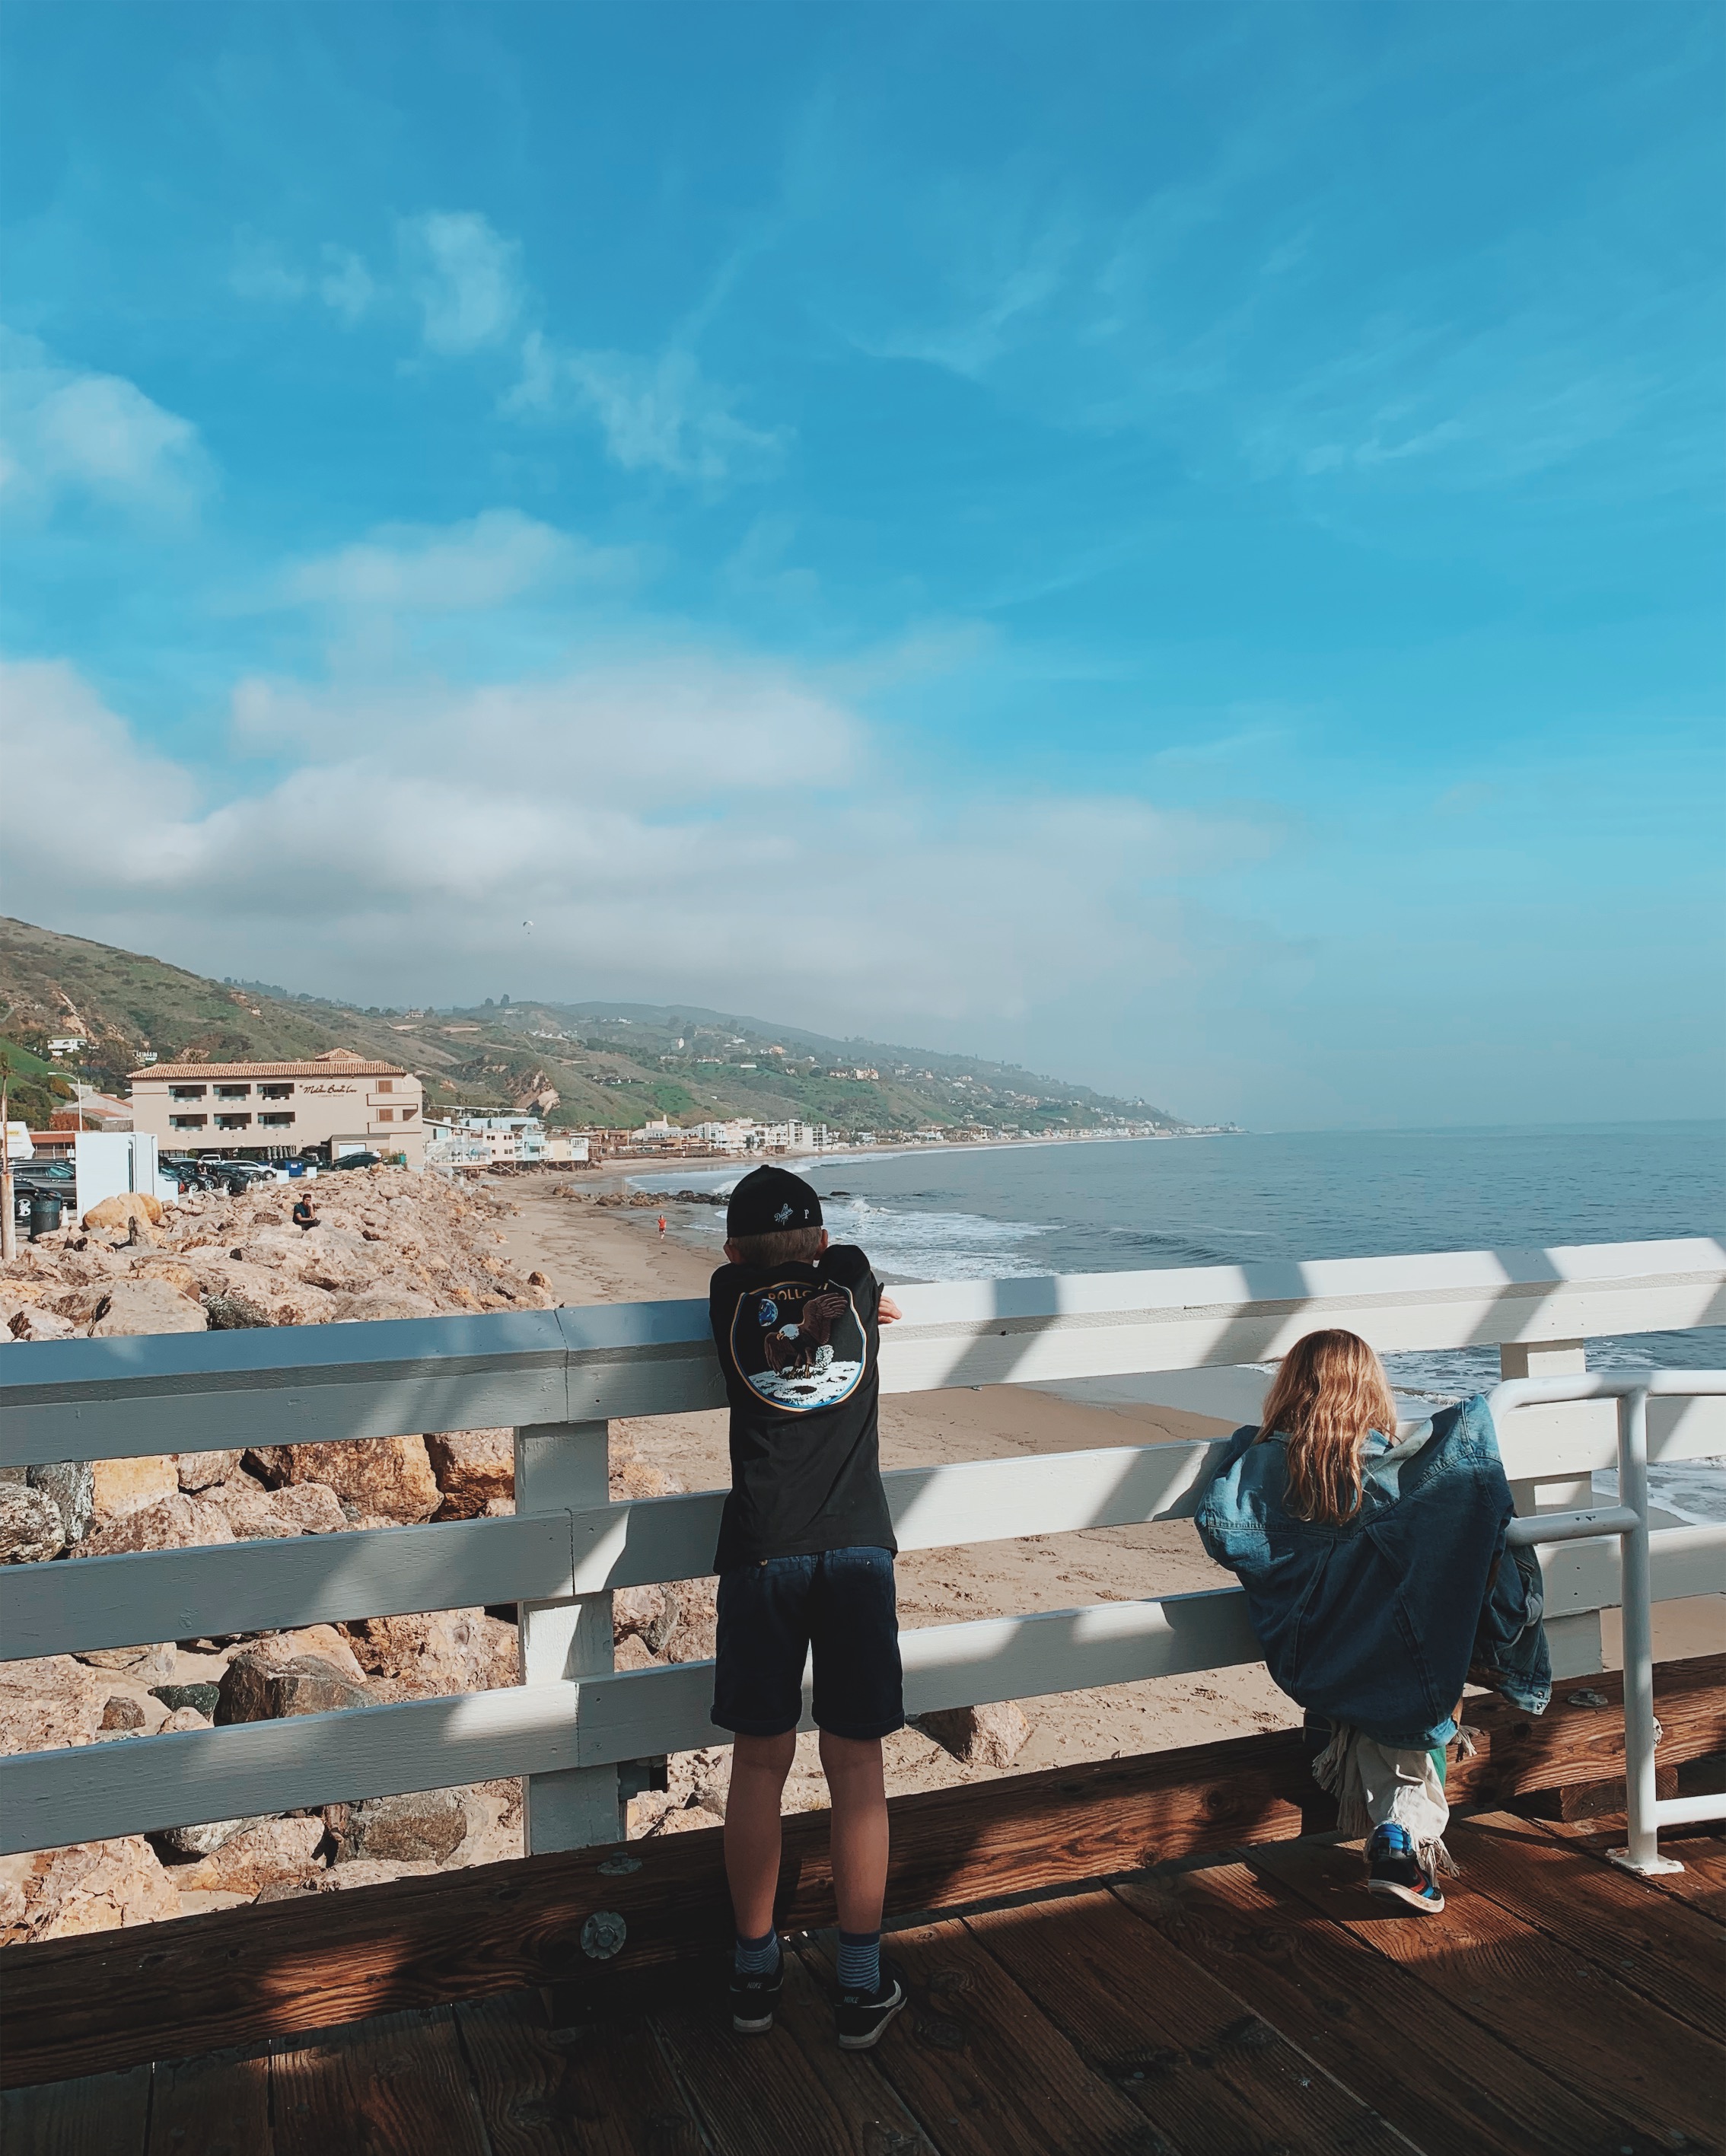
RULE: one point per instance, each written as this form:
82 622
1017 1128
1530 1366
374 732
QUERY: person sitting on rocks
305 1213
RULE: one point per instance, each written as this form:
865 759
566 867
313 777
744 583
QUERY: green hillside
610 1065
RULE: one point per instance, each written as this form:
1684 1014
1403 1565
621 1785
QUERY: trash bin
296 1168
45 1212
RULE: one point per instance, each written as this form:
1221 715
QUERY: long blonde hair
1329 1391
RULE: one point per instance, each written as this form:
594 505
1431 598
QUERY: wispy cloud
657 413
74 433
486 561
465 277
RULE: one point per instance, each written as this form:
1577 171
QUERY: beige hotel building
337 1100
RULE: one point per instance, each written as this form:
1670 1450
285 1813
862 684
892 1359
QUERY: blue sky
1181 545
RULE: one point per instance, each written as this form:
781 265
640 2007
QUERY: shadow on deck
1260 2004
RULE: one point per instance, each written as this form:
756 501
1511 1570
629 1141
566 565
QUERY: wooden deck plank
1702 1884
239 1977
1555 2004
216 2106
96 2115
1149 2018
1353 2010
397 2086
602 2088
982 2068
1669 1952
756 2093
881 2123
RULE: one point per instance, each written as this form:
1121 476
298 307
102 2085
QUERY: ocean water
1129 1205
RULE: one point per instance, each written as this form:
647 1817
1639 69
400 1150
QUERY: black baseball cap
771 1201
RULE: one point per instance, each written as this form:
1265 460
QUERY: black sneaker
862 2015
754 1998
1395 1871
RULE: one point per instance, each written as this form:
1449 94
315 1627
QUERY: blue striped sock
860 1961
757 1957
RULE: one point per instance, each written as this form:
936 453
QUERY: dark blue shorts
772 1613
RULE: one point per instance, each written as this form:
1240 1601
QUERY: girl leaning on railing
1378 1582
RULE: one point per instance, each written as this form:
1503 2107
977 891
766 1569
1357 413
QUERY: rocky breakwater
389 1243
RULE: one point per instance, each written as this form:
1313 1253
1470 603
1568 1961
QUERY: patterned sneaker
863 2014
753 1999
1395 1871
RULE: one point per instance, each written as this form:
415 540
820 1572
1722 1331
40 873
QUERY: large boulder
89 1886
253 1513
389 1478
126 1206
147 1305
119 1487
647 1614
48 1702
72 1485
175 1522
31 1527
442 1651
207 1836
473 1467
259 1855
425 1827
200 1471
255 1689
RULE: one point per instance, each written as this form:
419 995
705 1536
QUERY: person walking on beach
1379 1583
662 1227
805 1561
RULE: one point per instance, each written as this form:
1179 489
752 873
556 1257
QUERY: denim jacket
1378 1622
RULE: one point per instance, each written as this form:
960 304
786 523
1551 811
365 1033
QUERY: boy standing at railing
805 1562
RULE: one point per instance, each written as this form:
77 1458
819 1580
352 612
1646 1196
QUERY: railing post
566 1467
1577 1649
1636 1612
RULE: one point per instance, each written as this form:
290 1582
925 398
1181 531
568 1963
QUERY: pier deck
1258 2005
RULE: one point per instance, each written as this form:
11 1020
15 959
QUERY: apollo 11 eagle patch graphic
799 1344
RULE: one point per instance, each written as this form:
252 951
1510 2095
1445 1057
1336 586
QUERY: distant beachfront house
92 1111
339 1100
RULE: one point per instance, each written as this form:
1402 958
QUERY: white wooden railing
558 1377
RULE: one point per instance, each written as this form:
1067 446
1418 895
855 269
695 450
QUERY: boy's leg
759 1766
855 1779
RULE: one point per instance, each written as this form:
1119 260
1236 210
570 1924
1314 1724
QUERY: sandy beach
592 1255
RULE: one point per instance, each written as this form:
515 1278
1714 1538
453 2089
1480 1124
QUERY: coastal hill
612 1064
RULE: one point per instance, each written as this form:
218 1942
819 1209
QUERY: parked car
48 1177
358 1160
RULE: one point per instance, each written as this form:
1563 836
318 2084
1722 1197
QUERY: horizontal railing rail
101 1399
560 1374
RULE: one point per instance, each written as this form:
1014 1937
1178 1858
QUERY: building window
386 1114
386 1085
233 1122
407 1113
276 1122
187 1092
276 1092
187 1122
234 1092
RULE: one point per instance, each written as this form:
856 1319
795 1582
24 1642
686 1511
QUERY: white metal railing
1628 1519
557 1377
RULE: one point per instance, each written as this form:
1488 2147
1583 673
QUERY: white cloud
465 275
660 414
72 431
488 561
705 826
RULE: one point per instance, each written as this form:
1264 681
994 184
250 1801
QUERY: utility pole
9 1222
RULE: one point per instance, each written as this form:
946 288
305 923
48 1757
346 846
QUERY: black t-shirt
798 1346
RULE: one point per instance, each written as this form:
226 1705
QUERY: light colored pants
1380 1784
